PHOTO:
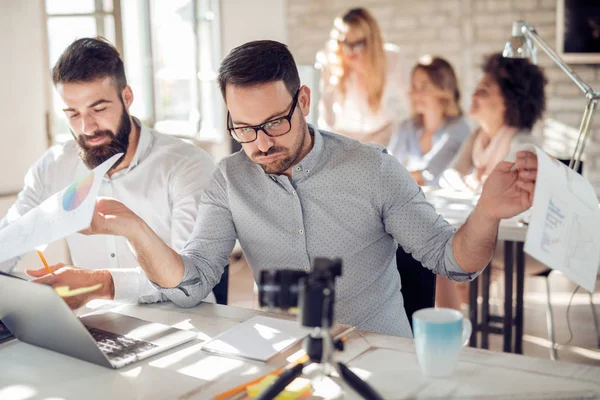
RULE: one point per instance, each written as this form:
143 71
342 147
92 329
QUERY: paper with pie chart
62 214
563 230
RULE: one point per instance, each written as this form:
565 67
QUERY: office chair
221 289
418 283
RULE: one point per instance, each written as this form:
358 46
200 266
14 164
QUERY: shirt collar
307 164
312 158
144 144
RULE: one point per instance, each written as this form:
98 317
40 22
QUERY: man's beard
280 166
92 156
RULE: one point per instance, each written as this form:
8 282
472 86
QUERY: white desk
456 207
186 372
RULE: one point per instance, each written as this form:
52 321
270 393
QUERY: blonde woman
427 142
362 81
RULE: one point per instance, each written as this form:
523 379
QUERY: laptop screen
11 276
5 334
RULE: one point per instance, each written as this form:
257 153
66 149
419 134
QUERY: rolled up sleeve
207 252
415 224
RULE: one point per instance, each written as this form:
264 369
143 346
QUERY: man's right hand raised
161 264
111 217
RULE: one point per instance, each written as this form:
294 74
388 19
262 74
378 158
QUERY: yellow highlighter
65 291
44 261
300 388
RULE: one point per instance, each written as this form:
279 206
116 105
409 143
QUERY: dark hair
522 85
88 59
259 62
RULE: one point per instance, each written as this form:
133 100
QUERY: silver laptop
37 315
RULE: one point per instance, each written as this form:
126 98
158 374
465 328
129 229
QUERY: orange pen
243 386
44 261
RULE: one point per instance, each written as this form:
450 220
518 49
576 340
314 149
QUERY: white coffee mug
440 334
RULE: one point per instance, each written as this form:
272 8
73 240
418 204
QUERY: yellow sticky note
298 389
64 291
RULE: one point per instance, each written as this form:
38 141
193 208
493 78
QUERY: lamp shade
517 46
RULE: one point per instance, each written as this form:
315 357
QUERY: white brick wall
461 31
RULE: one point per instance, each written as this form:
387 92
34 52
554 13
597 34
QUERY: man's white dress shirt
162 185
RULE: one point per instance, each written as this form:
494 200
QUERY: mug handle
466 332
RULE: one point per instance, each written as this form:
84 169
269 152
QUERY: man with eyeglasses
295 193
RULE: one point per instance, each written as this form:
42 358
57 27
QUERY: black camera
313 293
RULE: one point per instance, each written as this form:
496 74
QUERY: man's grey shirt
345 199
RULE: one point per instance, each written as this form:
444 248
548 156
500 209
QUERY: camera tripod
320 345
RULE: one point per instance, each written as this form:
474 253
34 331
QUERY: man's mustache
270 152
84 140
97 135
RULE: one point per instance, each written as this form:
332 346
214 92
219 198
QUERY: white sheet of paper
258 338
564 229
62 214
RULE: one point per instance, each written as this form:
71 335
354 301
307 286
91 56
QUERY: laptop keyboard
118 347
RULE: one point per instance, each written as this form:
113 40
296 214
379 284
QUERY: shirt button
298 168
306 268
307 171
112 255
294 192
301 231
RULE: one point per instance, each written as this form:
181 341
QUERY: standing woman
362 81
429 140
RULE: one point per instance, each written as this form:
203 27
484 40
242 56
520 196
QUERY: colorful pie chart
77 192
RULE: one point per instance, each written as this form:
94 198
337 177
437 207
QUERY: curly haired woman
508 100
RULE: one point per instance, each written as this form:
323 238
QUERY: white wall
23 105
23 101
462 31
243 21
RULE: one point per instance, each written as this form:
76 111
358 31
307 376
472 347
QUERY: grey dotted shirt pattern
345 199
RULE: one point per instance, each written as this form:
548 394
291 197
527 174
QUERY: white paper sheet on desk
564 229
258 338
62 214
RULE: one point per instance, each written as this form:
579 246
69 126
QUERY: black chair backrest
418 283
222 288
566 161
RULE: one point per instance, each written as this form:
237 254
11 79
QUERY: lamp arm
530 32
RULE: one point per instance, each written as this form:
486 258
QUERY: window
171 50
68 20
185 55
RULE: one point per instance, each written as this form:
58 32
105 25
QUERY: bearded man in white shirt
159 177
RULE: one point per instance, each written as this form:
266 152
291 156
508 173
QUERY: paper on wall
62 214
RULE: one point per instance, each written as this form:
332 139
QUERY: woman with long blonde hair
428 141
362 80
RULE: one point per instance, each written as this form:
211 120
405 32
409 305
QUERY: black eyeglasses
353 47
273 128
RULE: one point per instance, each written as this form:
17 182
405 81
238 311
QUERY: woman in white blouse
363 81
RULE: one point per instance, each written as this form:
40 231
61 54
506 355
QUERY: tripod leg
361 387
281 383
